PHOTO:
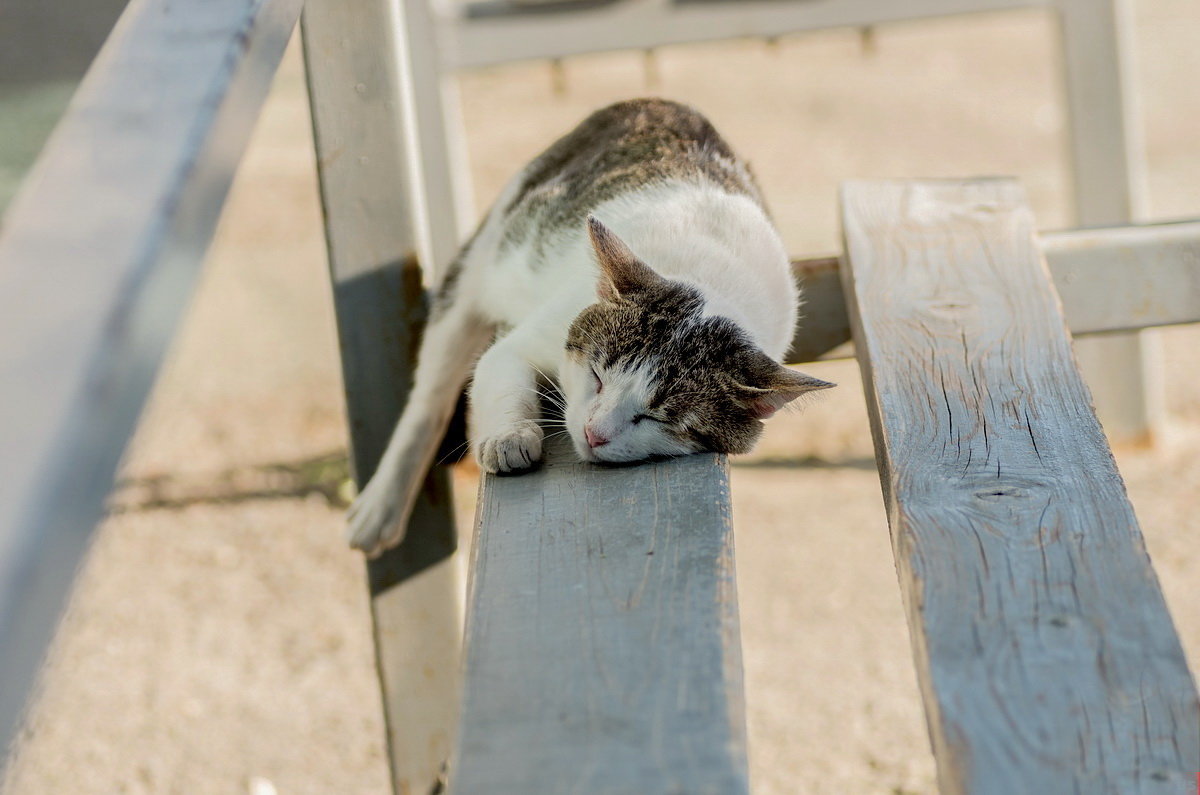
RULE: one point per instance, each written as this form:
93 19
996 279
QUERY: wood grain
1045 653
359 126
98 254
602 651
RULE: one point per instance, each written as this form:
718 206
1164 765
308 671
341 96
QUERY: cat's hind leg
452 340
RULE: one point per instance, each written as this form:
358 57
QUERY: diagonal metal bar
97 256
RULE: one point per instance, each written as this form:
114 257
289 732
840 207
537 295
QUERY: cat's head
647 374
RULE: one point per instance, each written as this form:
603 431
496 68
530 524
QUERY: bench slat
602 648
1046 657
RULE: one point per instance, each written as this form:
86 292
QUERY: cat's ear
779 387
621 271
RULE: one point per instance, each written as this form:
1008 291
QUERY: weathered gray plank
351 53
97 255
602 651
1109 279
1045 654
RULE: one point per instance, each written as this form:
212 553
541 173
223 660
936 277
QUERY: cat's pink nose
594 439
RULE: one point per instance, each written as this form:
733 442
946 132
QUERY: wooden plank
97 255
1109 177
1045 654
1113 279
367 191
602 651
487 40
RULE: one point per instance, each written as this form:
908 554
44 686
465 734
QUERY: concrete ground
218 639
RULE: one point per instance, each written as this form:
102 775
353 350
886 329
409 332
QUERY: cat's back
619 149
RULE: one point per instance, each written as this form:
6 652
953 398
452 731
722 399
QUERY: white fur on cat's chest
685 271
721 243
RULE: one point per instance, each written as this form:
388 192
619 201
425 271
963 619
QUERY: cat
634 263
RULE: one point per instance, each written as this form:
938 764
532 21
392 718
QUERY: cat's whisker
542 373
458 448
552 398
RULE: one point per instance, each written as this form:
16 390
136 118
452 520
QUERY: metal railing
98 253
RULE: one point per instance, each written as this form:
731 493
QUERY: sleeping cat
632 262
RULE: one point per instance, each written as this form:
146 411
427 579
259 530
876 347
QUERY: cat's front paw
518 447
374 521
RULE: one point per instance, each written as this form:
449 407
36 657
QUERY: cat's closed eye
683 347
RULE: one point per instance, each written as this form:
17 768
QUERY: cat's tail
453 339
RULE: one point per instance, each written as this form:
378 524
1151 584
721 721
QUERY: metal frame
368 149
97 256
478 41
1114 279
1108 174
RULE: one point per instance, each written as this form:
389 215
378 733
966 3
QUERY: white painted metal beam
642 24
1109 279
1126 278
428 106
360 59
1108 174
98 253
